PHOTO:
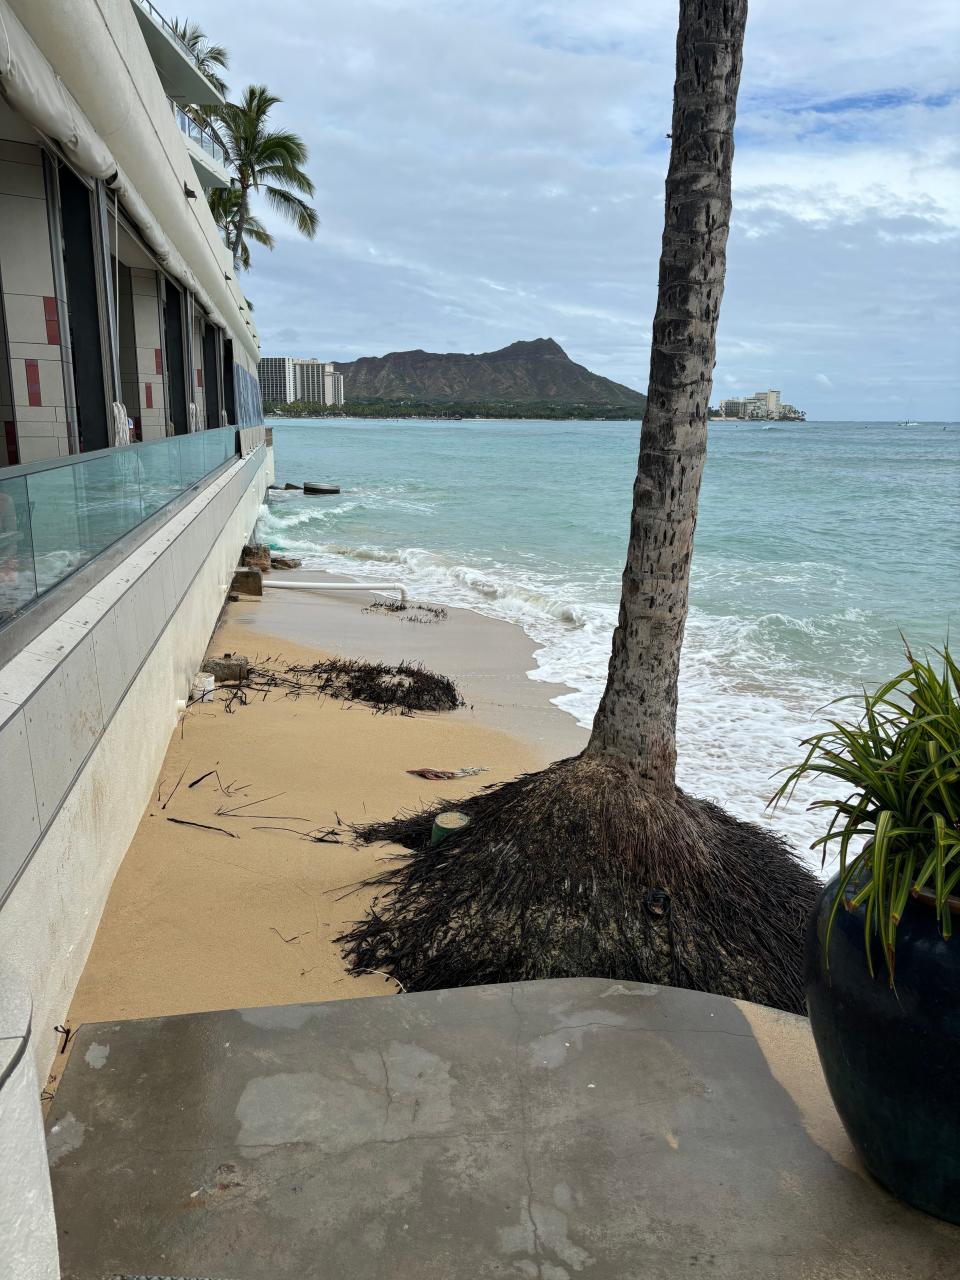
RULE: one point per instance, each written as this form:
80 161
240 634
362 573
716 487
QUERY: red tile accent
148 394
199 377
34 398
13 451
52 320
158 359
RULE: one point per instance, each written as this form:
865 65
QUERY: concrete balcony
175 64
209 158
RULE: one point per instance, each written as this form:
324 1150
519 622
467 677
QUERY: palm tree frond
302 215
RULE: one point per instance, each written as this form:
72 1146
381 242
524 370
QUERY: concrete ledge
552 1130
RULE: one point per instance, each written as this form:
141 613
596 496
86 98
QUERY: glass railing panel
213 449
160 478
57 518
192 465
18 575
78 511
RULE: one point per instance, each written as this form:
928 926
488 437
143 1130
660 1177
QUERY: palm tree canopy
206 55
266 160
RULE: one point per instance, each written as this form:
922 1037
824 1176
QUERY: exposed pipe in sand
340 586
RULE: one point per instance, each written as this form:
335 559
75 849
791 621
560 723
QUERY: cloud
823 380
493 171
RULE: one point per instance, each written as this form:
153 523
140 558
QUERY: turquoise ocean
817 544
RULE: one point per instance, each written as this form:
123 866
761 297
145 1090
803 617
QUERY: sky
492 170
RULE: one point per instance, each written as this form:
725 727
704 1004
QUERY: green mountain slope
537 372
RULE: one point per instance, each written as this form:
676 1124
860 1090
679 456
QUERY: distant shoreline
425 417
734 422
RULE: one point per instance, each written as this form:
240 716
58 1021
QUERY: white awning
37 93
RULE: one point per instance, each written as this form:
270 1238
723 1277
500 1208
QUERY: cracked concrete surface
565 1130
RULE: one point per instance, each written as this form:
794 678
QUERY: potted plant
882 962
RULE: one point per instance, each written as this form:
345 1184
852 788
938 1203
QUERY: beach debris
448 823
324 835
285 562
256 556
68 1033
277 817
233 597
293 938
202 688
311 486
232 667
404 688
387 977
211 773
204 826
422 613
248 581
175 787
444 775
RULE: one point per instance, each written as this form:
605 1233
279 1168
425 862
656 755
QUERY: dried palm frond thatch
404 688
576 871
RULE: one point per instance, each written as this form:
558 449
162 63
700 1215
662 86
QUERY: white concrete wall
28 1232
86 712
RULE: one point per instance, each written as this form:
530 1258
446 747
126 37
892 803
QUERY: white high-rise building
332 386
277 383
284 379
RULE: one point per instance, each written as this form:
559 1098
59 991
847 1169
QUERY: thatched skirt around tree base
577 871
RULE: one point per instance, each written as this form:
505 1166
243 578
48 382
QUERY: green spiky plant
900 769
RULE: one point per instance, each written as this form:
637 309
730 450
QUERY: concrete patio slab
548 1130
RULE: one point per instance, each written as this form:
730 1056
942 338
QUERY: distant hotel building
761 406
284 379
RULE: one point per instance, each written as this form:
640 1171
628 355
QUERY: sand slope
197 919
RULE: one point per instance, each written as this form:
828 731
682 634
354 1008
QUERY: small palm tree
210 58
225 207
268 161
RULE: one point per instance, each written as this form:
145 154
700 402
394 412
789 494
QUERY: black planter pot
892 1057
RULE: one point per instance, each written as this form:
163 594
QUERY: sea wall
86 712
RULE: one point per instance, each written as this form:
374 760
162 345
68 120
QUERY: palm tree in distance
225 207
600 865
267 161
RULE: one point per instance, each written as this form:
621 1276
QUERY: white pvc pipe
340 586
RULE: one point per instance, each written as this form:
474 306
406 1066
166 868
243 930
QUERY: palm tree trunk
636 721
238 230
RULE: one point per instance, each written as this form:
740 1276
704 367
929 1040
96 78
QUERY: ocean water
817 544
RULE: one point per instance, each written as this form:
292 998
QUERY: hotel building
761 406
285 379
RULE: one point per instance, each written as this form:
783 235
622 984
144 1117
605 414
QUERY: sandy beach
245 913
